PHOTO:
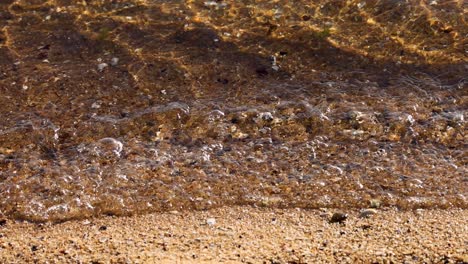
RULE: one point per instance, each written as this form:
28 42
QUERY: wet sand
243 235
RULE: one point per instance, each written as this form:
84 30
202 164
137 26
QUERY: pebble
101 66
374 203
267 116
367 212
107 145
211 221
338 217
114 61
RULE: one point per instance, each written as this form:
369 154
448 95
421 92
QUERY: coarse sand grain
244 235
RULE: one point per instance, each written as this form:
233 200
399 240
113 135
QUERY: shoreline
243 235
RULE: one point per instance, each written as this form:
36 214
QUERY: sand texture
244 235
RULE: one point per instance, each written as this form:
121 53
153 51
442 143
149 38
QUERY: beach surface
244 235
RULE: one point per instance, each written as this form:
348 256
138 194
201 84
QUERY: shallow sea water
124 107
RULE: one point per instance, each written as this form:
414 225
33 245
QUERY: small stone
367 212
419 212
101 66
374 203
211 221
267 116
338 217
114 61
366 227
110 145
96 105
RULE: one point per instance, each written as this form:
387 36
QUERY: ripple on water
247 102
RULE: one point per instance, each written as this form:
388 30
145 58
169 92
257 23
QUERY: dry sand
243 234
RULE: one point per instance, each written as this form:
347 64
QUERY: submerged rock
102 66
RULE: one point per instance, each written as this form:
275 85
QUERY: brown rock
338 217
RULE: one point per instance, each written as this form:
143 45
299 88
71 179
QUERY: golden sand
244 235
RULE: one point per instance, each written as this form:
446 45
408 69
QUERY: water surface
123 107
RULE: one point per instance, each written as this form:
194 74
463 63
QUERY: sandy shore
243 234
